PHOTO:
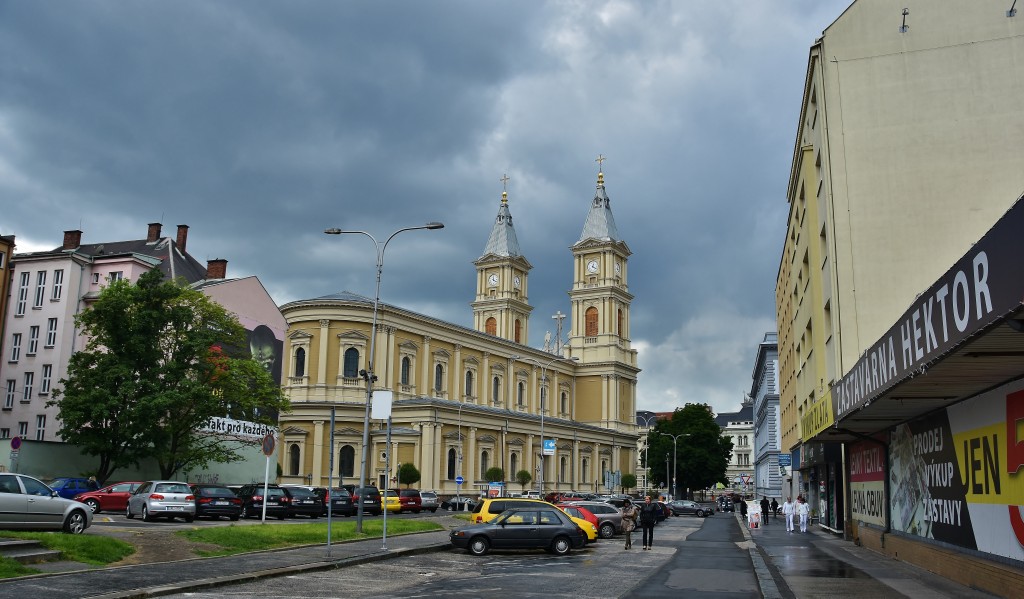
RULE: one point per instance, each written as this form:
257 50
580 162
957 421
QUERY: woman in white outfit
788 509
802 509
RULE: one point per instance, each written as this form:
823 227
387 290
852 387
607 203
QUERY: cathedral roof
600 224
503 241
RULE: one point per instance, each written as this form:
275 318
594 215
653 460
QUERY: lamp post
674 471
543 396
368 374
647 443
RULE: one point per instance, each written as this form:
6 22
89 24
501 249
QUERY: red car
577 511
112 498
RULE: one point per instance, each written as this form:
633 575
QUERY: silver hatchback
162 499
26 503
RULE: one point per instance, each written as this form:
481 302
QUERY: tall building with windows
6 252
468 399
764 392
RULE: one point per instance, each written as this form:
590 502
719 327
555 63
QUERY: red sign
15 442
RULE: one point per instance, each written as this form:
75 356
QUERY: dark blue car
68 486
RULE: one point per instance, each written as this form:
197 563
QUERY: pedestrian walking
775 508
765 506
803 510
788 509
648 518
743 507
629 514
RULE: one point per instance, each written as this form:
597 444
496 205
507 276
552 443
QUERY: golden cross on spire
600 161
504 188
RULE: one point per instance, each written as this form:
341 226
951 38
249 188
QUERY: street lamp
543 396
674 471
368 374
647 419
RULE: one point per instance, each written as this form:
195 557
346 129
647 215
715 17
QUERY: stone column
317 447
426 382
322 363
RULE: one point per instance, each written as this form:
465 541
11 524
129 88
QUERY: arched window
543 398
513 464
590 320
563 469
618 324
438 378
406 366
483 463
453 457
584 477
469 383
347 461
521 395
491 327
565 402
495 389
293 460
519 330
351 363
300 362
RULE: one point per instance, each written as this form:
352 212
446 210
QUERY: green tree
408 474
494 474
156 367
701 456
628 482
523 477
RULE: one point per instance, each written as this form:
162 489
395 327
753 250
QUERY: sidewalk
821 564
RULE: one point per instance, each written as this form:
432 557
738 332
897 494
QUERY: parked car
214 501
726 505
665 511
580 512
458 503
410 500
111 498
533 526
162 499
252 501
28 504
303 502
428 501
370 499
392 503
685 507
340 500
609 517
489 508
69 487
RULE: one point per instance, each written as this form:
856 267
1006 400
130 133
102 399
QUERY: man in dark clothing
775 508
648 518
765 506
743 507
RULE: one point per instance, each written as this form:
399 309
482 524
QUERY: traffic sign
459 480
15 443
549 447
268 445
785 459
746 478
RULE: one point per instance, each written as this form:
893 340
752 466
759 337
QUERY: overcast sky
259 124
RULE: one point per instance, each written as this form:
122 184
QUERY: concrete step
27 551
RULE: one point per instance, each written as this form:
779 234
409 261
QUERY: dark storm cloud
262 123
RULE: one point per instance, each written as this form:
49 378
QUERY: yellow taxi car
392 503
489 508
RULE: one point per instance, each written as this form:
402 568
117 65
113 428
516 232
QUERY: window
495 389
44 384
3 258
9 398
519 330
300 362
95 278
491 328
5 433
469 383
33 340
22 294
565 402
23 429
15 347
584 470
543 399
619 324
40 427
51 333
27 391
406 367
347 461
438 378
40 289
293 460
563 469
452 459
590 318
483 464
521 394
513 464
115 276
351 369
58 285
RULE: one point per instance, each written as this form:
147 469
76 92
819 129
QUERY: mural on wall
956 474
867 482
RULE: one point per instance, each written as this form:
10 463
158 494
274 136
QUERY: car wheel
75 524
93 505
607 530
433 511
234 518
280 517
128 512
479 545
561 546
189 518
145 514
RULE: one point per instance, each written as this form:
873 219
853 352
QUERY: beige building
907 152
466 400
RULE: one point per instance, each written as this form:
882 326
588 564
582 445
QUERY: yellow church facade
468 400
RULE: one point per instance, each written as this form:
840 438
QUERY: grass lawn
89 549
240 539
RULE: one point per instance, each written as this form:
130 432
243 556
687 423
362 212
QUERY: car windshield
300 492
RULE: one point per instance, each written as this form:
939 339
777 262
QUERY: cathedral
467 400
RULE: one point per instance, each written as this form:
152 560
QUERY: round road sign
268 445
15 442
459 480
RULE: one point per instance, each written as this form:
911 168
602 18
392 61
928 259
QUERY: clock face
492 280
592 266
516 281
